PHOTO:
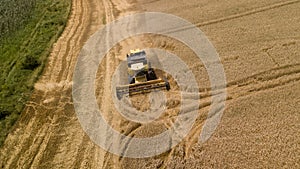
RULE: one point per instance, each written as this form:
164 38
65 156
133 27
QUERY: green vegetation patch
25 43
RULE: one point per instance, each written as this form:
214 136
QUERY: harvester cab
141 76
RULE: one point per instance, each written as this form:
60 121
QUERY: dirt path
48 134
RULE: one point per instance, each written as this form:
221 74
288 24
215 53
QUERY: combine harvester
141 77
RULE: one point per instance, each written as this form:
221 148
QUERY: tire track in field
113 9
66 47
239 15
251 12
106 101
260 82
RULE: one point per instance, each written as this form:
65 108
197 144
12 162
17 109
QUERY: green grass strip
23 55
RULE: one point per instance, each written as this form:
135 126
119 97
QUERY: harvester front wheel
151 75
168 87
